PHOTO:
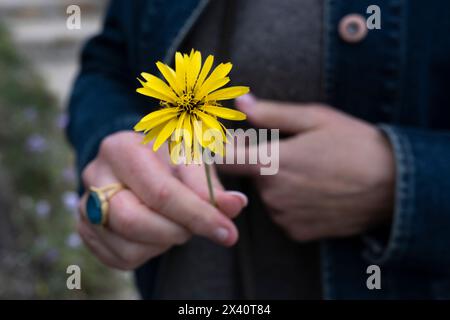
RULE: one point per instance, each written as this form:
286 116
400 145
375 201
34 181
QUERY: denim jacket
398 78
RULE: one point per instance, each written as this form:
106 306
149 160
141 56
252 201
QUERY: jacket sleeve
103 99
419 235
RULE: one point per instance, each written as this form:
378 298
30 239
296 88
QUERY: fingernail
221 234
242 197
245 101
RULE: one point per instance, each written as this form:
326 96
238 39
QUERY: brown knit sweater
276 49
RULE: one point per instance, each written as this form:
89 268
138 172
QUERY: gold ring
97 204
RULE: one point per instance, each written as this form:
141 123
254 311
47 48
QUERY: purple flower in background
43 208
73 240
36 143
70 200
62 120
51 255
68 174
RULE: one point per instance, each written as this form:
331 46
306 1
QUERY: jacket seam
329 67
400 237
181 35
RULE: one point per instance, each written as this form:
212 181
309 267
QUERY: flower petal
225 113
157 84
175 151
195 64
228 93
179 128
165 133
180 71
147 125
198 131
213 140
211 86
197 153
210 123
205 70
170 75
227 133
187 132
146 91
216 146
159 113
153 133
219 72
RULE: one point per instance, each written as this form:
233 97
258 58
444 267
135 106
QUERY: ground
37 181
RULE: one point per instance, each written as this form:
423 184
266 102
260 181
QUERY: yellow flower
190 106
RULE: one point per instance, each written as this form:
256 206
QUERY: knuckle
119 201
124 217
88 173
120 143
195 222
161 196
106 144
109 143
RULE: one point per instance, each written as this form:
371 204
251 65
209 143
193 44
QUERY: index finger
142 171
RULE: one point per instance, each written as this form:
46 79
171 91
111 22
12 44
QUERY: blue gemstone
94 208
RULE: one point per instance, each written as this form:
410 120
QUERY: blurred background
38 202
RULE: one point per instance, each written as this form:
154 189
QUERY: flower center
187 102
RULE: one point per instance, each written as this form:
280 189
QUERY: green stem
210 186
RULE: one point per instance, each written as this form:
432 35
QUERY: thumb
288 117
193 176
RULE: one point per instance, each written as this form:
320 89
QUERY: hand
162 206
336 175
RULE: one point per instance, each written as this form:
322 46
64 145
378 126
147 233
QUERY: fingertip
245 102
222 230
231 203
234 237
226 236
240 196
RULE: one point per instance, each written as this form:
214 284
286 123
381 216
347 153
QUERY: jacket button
352 28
